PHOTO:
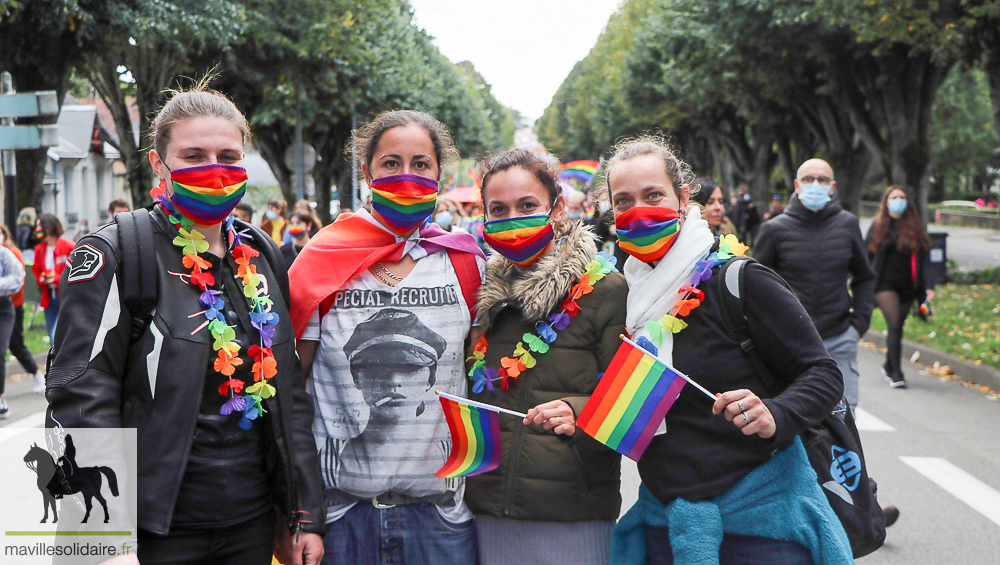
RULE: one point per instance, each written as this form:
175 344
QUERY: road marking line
18 427
867 422
978 495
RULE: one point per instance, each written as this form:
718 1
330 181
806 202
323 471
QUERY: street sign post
40 104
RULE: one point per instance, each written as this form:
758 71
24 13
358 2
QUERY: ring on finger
558 420
746 419
740 404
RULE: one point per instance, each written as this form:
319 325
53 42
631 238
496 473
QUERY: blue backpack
833 445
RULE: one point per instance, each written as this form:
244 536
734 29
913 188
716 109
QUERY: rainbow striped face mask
208 193
521 239
404 201
297 231
647 232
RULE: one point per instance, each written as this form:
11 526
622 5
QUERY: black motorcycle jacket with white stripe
98 376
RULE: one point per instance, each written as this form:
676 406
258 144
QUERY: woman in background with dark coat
898 247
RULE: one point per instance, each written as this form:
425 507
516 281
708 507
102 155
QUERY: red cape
343 250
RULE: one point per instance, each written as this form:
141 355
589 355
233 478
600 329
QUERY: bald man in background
817 247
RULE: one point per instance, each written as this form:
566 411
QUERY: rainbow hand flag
580 170
475 437
631 400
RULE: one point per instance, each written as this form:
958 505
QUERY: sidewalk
968 370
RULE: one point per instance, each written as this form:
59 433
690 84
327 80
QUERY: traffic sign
29 105
28 137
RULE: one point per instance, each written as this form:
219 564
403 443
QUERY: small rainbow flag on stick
475 436
631 400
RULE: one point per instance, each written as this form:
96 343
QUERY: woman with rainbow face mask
382 306
207 374
720 481
551 310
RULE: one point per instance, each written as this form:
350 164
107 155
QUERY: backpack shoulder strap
468 277
138 257
730 281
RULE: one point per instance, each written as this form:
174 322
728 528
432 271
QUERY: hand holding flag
632 399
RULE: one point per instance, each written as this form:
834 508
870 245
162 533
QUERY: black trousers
17 347
6 328
246 543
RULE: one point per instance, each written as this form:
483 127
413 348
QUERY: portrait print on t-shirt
384 352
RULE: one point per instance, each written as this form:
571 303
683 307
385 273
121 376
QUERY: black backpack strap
138 258
731 289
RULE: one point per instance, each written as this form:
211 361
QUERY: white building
82 174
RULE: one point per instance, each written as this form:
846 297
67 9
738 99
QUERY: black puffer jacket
817 253
544 476
99 378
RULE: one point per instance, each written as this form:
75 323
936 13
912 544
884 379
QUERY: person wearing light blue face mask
816 246
899 249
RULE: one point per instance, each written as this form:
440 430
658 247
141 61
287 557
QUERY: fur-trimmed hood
537 291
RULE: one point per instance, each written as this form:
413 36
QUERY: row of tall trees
750 88
336 61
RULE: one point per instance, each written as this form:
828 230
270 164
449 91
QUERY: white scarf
652 291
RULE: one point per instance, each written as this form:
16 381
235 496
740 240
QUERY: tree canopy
338 62
747 89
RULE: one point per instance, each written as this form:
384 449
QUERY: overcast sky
524 48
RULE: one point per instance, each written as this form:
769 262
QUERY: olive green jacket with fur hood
544 476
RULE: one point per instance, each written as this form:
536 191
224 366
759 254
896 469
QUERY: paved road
971 248
934 449
18 394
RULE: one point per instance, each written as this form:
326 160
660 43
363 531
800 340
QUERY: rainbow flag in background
631 400
475 439
580 170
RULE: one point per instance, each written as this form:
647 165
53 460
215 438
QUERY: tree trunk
850 166
764 160
991 66
30 179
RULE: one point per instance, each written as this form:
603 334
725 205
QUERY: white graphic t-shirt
383 352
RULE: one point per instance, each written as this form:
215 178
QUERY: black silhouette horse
68 478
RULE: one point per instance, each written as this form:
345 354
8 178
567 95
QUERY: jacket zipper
515 452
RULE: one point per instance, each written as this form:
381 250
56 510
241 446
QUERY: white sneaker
4 410
39 384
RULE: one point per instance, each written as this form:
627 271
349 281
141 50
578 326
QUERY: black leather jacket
99 377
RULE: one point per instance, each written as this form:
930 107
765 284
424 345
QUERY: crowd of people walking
283 377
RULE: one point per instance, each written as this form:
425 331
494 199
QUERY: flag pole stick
479 404
683 376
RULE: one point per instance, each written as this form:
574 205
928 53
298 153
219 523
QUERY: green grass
36 340
966 323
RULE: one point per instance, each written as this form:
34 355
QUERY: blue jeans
52 315
414 534
844 350
742 550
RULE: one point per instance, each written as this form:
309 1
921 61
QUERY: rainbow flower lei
192 242
691 296
522 360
